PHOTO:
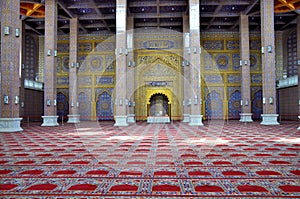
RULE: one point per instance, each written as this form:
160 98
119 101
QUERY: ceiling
100 15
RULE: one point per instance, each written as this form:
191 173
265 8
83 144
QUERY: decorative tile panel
234 78
105 80
232 44
213 44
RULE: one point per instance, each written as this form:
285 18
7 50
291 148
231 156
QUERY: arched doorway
159 106
104 107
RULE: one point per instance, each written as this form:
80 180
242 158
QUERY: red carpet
98 160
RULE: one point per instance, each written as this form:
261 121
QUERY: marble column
195 72
10 120
269 116
246 115
186 70
121 64
130 102
50 117
298 60
73 117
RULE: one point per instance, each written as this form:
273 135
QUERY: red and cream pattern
143 160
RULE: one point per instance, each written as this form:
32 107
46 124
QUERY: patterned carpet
97 160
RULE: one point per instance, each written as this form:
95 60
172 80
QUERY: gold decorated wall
221 75
96 75
158 70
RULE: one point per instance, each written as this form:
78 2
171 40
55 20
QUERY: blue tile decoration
104 106
213 78
105 46
65 64
233 44
256 78
257 104
105 80
62 105
96 63
63 47
234 107
214 105
222 61
213 44
84 106
255 44
236 62
234 78
62 81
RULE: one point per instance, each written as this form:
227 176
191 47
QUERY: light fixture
6 100
195 50
271 100
241 102
48 102
126 51
246 62
49 52
246 102
120 51
17 32
188 50
72 104
6 30
72 64
299 62
133 63
196 99
262 50
77 104
187 63
183 104
121 102
54 102
16 99
241 62
55 53
264 100
269 47
129 63
77 65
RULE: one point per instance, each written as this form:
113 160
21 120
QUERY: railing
288 82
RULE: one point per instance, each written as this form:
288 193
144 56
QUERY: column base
50 120
246 117
10 125
269 119
299 126
186 118
196 120
121 121
73 118
131 118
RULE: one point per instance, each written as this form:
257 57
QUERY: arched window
292 54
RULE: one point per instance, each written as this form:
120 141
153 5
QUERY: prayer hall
149 99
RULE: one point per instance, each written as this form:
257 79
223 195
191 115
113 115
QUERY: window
292 54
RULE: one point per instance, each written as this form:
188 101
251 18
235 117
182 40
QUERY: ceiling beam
92 2
216 11
249 8
71 15
289 23
158 12
33 29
